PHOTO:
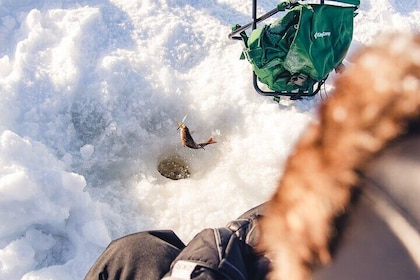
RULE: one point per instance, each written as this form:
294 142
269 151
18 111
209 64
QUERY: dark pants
220 253
151 258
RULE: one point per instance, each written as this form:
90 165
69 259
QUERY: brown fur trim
373 102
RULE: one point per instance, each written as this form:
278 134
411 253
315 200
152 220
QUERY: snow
89 94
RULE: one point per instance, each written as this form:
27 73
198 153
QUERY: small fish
187 139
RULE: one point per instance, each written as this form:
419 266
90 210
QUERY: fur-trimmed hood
374 100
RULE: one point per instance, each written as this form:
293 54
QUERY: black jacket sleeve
223 253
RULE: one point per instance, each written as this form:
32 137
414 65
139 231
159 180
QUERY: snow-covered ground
89 95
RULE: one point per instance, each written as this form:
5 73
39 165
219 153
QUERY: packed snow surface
90 92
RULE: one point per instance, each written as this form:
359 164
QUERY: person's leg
245 226
223 253
143 255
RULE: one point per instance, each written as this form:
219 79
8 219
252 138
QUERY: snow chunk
16 259
97 233
5 68
46 214
87 151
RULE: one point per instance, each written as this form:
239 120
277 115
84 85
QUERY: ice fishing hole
174 167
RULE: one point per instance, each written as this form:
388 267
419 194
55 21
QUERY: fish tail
211 141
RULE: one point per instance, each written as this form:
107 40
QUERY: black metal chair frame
253 25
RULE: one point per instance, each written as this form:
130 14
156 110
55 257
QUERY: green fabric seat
301 48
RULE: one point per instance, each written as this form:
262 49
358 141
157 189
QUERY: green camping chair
294 54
